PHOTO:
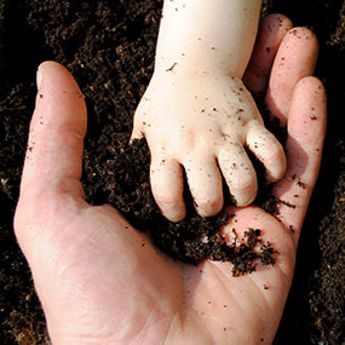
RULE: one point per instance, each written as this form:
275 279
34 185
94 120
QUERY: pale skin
197 115
98 284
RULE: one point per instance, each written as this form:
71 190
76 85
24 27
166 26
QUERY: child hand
203 123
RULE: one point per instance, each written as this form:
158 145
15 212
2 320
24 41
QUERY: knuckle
28 214
187 141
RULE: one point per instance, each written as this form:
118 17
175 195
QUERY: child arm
209 36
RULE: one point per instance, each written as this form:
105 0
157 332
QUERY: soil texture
109 45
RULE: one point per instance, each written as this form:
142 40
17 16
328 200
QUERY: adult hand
98 282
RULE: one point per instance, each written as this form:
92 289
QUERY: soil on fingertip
109 46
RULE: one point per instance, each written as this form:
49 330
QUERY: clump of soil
109 46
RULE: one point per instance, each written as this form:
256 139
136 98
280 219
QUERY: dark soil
109 45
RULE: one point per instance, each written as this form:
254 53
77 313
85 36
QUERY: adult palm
102 282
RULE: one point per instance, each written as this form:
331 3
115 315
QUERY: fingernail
39 78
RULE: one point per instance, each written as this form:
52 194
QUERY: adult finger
295 59
306 131
58 126
271 32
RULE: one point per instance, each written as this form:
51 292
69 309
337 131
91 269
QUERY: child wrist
177 68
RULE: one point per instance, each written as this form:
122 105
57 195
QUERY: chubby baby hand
203 124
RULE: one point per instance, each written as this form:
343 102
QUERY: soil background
108 45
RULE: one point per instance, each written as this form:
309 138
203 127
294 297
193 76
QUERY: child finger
205 184
239 174
295 59
166 177
306 132
268 150
271 32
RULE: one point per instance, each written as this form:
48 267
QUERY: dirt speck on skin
109 47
